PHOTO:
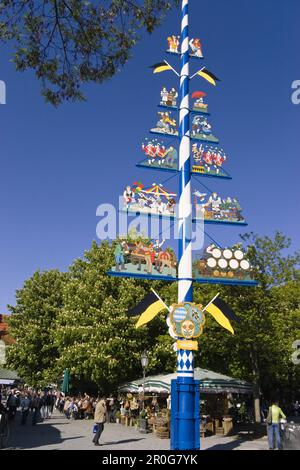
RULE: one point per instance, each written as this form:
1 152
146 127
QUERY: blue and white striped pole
185 289
185 391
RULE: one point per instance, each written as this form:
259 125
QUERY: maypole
148 260
185 421
185 285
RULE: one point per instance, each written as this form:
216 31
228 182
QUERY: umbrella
66 382
199 94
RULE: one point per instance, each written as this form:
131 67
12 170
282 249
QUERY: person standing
99 420
25 404
273 425
35 408
12 405
49 404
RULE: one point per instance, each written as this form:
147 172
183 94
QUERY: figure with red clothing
218 160
208 160
129 197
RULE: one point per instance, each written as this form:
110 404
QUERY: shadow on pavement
227 445
30 437
124 441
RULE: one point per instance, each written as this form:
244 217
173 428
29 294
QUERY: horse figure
165 259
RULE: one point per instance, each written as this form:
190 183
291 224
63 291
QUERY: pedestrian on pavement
99 420
12 404
25 404
273 425
67 403
35 408
44 408
49 404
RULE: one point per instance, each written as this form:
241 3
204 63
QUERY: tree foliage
71 42
32 323
79 321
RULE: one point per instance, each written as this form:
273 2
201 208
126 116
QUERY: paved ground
58 433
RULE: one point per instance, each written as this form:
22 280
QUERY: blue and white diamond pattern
185 363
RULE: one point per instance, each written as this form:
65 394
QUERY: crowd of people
39 405
29 401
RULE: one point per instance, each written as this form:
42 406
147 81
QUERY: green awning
8 376
210 382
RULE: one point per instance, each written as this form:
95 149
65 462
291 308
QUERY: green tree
96 339
31 325
260 351
71 42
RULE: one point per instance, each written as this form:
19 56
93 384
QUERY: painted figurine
129 197
196 47
168 98
171 157
216 208
164 96
119 256
201 129
198 153
218 160
199 104
165 124
173 43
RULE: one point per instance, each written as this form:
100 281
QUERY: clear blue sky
58 165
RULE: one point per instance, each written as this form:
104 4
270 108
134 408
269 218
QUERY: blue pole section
185 404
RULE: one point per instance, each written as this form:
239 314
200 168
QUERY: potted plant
143 422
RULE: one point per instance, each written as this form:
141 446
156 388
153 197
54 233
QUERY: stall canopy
210 382
8 377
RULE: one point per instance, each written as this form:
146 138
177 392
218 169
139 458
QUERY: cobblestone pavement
58 433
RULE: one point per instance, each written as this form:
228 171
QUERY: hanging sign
144 258
166 124
208 160
168 99
159 155
154 200
228 264
201 130
195 46
199 106
215 209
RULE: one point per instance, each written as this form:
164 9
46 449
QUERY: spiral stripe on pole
185 206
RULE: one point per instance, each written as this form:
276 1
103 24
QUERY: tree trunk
256 387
